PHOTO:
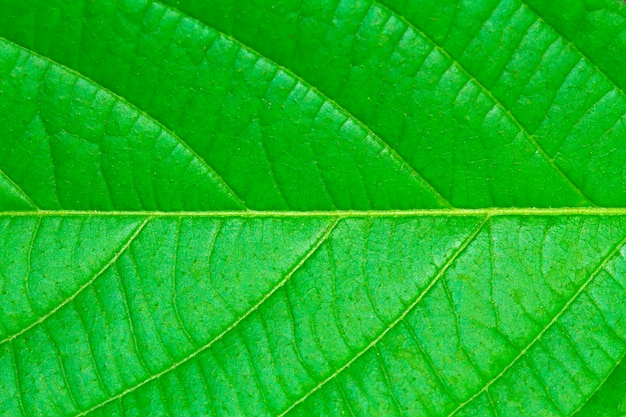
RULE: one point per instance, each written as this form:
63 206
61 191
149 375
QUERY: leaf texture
301 208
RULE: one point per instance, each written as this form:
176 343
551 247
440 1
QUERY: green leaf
306 208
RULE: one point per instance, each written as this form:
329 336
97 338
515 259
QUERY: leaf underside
349 207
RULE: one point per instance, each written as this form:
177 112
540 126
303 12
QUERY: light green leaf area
312 208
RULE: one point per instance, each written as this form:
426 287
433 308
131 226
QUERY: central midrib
456 212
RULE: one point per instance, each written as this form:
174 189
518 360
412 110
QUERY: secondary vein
395 322
427 184
111 261
539 335
497 101
323 237
184 143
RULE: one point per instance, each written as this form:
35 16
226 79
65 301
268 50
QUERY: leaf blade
362 207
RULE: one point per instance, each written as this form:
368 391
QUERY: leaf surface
306 208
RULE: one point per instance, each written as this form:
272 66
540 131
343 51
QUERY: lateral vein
416 174
489 93
115 257
216 176
394 323
251 310
539 335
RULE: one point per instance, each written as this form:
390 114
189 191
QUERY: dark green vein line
18 384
